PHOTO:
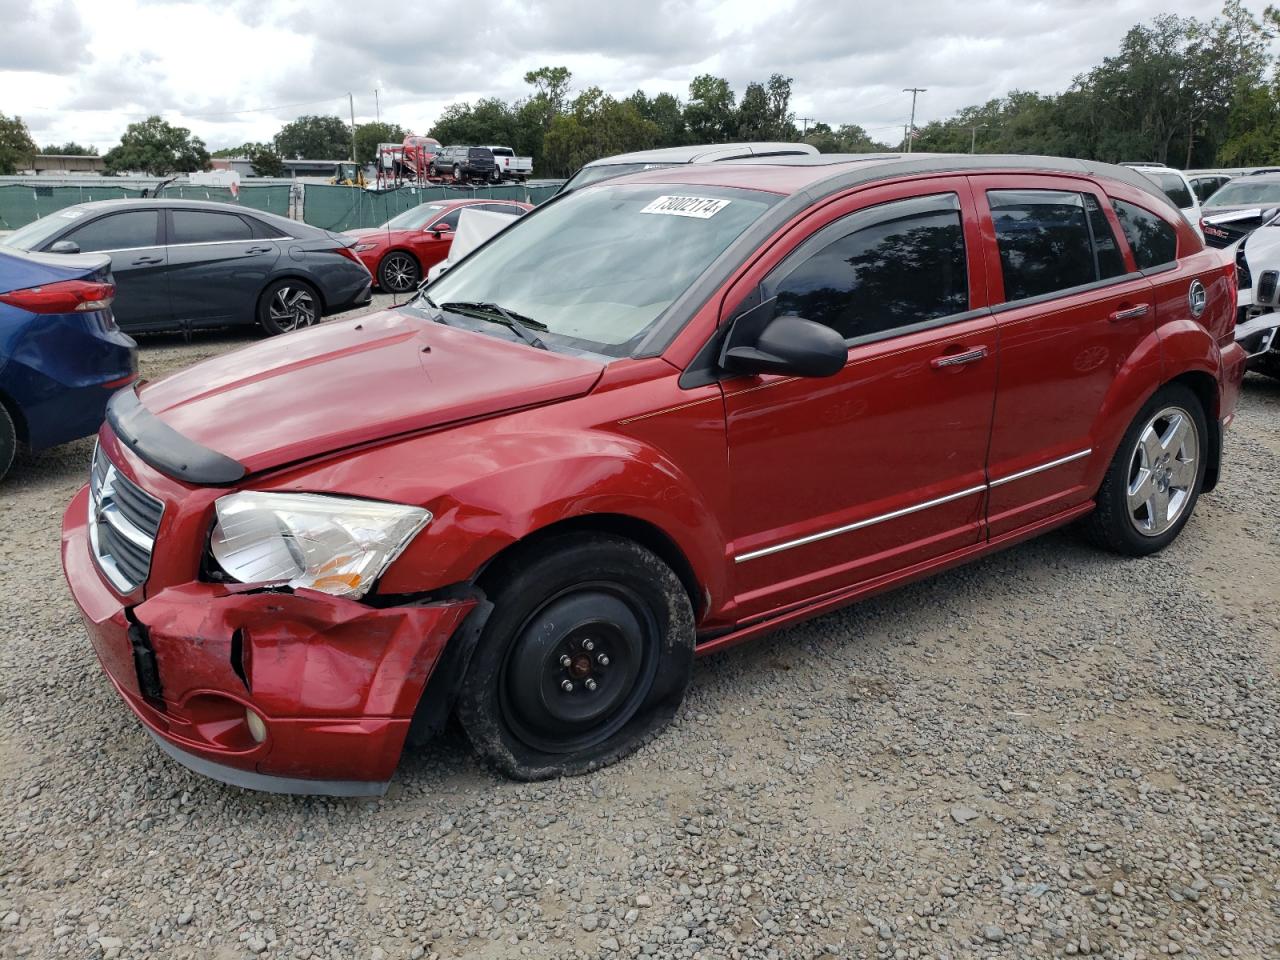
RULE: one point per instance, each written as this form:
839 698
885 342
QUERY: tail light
66 296
349 253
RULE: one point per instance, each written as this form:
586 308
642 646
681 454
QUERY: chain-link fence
330 207
20 203
347 208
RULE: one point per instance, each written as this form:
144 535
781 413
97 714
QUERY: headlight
333 544
362 247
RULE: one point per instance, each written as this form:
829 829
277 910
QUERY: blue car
61 353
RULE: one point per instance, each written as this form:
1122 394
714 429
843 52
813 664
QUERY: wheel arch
20 426
1205 388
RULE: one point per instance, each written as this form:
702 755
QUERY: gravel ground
1053 752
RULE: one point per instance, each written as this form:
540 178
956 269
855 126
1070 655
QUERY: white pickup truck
507 166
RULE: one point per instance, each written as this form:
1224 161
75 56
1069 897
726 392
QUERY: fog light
257 729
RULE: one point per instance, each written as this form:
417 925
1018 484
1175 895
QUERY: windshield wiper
517 323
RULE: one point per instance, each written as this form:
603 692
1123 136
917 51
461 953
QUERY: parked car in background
401 251
1176 187
507 166
1257 258
190 264
1204 185
464 163
61 353
624 163
658 416
1239 208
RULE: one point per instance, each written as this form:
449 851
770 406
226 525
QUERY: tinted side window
264 231
119 231
1105 249
449 220
200 226
879 269
1152 240
1044 241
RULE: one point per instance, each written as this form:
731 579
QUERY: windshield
1243 193
414 218
35 233
598 267
604 171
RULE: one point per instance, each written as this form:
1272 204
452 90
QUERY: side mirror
65 246
788 345
439 229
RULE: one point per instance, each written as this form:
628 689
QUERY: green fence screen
347 208
20 203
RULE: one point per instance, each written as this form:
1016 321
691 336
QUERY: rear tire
1155 479
288 305
8 441
586 655
457 173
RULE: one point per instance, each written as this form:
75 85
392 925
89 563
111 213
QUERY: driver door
840 480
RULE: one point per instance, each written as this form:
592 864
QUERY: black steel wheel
399 272
586 655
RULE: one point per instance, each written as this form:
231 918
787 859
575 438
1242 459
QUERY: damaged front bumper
334 683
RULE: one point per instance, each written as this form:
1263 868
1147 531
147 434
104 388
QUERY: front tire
587 654
287 305
457 174
399 272
1152 485
8 441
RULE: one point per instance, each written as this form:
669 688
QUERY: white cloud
83 69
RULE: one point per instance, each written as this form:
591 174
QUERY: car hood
379 233
354 382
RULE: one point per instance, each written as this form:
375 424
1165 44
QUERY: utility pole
377 107
973 135
911 127
806 121
351 102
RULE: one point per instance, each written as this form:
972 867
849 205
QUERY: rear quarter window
1153 241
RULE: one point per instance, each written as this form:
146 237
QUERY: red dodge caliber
657 416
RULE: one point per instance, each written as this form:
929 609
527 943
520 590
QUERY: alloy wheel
292 308
1162 471
399 273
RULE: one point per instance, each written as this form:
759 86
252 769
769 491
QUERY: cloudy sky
235 70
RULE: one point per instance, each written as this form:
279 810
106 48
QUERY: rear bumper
334 682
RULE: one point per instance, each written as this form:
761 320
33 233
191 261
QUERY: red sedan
401 251
662 415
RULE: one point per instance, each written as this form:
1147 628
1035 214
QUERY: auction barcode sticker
701 208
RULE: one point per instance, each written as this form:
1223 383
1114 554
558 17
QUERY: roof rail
1142 163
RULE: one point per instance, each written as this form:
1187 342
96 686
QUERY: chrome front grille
123 522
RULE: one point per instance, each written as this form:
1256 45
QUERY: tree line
1186 91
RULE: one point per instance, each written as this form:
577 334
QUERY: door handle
1129 313
144 260
958 359
258 250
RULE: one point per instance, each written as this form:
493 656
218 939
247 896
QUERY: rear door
218 264
1071 310
840 480
133 240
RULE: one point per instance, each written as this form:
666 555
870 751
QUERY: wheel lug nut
591 684
602 659
566 686
565 661
588 645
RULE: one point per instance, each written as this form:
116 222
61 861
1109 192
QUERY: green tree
264 160
157 147
369 135
1253 128
16 145
69 149
314 138
782 125
595 125
709 115
755 121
